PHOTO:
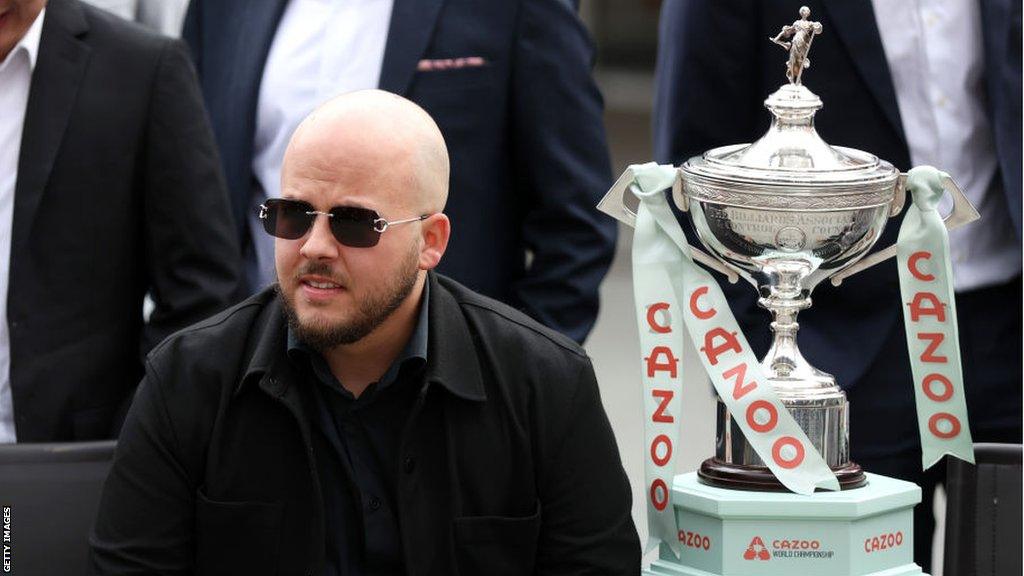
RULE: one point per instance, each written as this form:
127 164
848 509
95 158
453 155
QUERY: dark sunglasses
351 226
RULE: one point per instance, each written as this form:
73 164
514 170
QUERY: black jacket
119 193
514 468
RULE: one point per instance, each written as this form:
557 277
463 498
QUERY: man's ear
436 230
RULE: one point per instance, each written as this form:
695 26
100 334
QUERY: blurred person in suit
509 84
110 188
914 83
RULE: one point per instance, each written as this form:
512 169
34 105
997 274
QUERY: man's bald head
379 138
379 152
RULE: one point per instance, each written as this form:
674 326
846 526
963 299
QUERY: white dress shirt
322 48
15 80
935 54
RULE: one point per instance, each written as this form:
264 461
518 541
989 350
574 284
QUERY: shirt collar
29 42
451 348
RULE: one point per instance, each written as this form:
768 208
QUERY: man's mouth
317 287
321 285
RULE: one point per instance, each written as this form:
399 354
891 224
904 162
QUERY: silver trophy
786 213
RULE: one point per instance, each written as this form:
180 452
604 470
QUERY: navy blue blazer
524 133
716 67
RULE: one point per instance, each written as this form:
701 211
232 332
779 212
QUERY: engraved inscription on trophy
756 232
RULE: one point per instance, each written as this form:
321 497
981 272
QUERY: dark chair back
983 513
49 494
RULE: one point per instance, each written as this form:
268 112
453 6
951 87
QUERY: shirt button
374 503
409 464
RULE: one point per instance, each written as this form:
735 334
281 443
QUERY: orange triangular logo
756 550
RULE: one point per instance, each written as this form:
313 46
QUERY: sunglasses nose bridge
320 241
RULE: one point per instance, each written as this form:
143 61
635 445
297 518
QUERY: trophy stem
785 367
784 358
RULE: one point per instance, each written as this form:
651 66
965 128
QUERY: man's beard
370 313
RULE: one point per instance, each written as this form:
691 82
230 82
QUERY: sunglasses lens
354 226
287 219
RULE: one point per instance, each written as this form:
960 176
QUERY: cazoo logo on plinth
786 548
756 550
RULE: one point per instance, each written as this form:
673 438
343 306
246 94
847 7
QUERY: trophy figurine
786 213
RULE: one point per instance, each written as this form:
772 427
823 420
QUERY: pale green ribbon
664 273
661 340
929 313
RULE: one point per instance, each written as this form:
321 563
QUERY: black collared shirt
359 467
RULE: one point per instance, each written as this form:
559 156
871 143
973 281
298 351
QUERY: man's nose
320 242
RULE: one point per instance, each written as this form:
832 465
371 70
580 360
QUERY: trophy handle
614 201
963 213
621 206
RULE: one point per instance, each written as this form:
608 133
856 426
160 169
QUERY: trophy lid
791 158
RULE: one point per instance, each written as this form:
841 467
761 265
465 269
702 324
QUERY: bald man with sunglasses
366 415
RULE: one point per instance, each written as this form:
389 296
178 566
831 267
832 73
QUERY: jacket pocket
456 80
237 537
496 545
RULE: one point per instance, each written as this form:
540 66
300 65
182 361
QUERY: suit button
409 464
374 503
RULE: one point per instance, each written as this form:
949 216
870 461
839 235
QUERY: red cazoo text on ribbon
935 386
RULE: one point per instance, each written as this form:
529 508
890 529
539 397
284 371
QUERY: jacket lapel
240 52
452 358
412 26
54 89
854 23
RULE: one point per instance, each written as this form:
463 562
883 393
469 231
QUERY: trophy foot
715 472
